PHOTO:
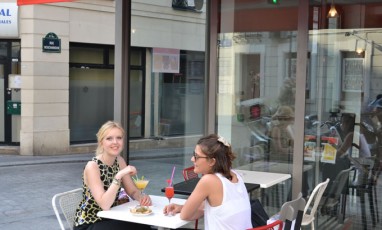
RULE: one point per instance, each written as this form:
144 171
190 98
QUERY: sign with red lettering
30 2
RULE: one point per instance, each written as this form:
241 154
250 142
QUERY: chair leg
376 202
371 204
363 211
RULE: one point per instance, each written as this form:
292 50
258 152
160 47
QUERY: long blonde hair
103 131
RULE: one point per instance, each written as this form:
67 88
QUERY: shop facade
296 90
277 79
63 95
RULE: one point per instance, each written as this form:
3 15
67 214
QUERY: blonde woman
102 179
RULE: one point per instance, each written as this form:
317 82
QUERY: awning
30 2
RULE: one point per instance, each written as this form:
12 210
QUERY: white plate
141 214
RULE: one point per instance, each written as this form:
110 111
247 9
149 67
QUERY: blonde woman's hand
129 170
145 200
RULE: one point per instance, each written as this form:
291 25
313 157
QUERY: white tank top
235 211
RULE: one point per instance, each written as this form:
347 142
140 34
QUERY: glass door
10 123
2 102
257 58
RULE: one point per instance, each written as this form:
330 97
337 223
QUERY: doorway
9 120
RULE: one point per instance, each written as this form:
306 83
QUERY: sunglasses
196 156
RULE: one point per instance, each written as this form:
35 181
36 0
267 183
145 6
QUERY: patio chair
64 206
290 215
330 201
188 173
368 187
292 212
310 212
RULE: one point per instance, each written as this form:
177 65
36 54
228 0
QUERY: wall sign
352 74
51 43
8 20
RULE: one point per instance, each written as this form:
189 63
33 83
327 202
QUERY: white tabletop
269 166
264 179
157 218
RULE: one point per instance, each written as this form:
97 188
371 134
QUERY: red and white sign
30 2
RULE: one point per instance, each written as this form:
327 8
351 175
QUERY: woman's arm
209 187
129 185
104 199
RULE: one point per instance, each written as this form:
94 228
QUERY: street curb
80 159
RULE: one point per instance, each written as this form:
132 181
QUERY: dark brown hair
216 147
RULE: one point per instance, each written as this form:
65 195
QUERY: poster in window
352 74
165 60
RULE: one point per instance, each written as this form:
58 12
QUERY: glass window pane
86 55
89 85
343 112
136 57
257 85
174 98
136 110
111 56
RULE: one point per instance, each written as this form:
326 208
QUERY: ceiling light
332 12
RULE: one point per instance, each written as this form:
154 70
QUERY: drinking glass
169 191
141 185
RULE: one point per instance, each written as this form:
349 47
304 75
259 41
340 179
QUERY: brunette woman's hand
172 209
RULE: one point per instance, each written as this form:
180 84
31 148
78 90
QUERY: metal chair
310 212
188 173
64 206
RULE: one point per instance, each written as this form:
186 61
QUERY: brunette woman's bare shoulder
209 179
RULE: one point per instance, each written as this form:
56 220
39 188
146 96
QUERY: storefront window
257 86
343 114
174 82
181 94
260 78
91 91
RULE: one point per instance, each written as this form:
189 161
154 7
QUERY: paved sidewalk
28 183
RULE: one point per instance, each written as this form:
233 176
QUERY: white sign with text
8 20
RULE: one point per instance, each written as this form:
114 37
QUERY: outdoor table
186 187
269 166
157 218
264 179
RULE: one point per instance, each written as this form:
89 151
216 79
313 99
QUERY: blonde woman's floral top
86 212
